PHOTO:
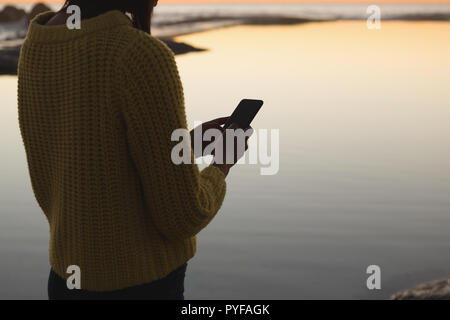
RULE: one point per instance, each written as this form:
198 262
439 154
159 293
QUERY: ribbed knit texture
97 108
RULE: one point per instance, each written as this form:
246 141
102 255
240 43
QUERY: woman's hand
232 151
200 130
220 158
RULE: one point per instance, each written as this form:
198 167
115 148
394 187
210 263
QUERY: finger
220 121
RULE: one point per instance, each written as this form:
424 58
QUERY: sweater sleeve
180 199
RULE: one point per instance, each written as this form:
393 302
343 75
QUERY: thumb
233 126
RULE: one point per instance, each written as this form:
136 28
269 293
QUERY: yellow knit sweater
97 107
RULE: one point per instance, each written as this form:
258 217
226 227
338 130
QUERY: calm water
364 167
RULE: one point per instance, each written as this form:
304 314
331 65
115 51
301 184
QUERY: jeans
170 287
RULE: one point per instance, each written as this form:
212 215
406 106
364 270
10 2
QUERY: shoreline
10 48
9 55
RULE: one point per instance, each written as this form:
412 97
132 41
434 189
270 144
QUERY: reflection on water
364 166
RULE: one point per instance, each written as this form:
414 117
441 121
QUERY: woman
97 107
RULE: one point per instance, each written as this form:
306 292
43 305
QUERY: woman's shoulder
141 45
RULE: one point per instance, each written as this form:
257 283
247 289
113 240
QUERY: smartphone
244 113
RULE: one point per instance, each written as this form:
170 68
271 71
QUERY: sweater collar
39 32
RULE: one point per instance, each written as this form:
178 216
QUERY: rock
37 9
12 14
180 47
436 290
9 56
424 16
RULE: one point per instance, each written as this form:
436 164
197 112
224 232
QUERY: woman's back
97 107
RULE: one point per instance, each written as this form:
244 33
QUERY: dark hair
140 10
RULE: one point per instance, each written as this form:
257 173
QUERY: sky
256 1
